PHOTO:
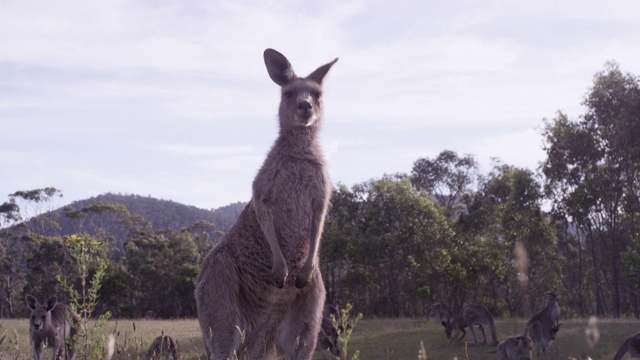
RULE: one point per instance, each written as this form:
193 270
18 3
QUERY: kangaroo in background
470 315
515 348
163 346
48 326
259 293
631 346
544 326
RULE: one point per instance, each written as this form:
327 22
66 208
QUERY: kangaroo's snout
304 109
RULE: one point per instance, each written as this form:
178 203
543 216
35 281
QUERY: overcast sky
172 99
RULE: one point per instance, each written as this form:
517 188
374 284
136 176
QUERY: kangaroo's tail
622 350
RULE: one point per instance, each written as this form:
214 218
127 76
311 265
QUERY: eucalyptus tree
592 178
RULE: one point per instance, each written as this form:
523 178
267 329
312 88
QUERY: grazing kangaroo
48 326
544 326
470 315
515 348
631 346
259 293
163 346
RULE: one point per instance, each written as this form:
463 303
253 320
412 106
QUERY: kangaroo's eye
288 94
316 94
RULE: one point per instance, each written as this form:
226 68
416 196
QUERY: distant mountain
161 214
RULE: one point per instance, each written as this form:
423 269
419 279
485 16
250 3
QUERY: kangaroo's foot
279 274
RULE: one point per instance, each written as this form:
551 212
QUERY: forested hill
160 214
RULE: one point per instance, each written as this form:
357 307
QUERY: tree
503 215
592 179
447 177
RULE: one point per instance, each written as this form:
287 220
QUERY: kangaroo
544 325
163 346
515 348
470 315
328 335
259 293
631 346
48 326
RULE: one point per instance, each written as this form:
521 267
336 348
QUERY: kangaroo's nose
304 105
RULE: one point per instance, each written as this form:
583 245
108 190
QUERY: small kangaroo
48 326
544 325
259 293
328 336
515 348
631 346
163 346
470 315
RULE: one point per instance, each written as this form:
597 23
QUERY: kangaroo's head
524 346
301 101
40 313
552 298
449 328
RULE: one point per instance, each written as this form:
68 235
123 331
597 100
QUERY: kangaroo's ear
32 302
51 303
321 72
279 68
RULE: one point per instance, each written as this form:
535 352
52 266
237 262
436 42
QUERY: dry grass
375 338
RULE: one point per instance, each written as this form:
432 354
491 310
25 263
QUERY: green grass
375 338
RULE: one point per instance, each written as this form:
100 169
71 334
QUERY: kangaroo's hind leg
216 297
297 334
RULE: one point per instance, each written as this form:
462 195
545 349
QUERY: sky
171 99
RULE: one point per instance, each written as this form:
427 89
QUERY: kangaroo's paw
303 277
279 275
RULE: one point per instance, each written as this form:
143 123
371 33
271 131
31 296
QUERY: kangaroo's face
525 346
553 299
301 103
448 328
40 313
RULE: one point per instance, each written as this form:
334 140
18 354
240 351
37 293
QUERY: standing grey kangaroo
259 293
631 346
48 326
470 315
543 326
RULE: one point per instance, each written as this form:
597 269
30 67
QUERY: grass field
375 338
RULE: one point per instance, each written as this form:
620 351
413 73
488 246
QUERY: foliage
344 327
87 254
592 178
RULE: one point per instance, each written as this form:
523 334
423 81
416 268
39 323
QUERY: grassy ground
375 338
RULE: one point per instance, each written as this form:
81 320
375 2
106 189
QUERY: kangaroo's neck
299 142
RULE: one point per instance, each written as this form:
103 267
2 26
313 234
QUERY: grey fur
328 335
631 346
543 326
163 346
514 348
48 326
259 292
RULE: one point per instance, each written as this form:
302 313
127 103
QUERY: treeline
391 246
